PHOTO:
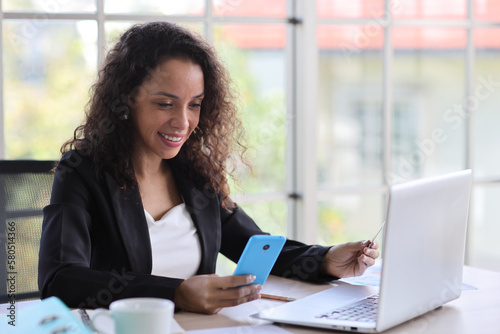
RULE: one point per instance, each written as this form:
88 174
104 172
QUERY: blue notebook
49 316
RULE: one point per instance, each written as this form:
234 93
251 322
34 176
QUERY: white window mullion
469 82
291 124
209 24
306 98
387 91
101 34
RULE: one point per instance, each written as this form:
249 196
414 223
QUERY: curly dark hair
105 135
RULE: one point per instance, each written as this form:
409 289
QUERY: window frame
302 192
208 20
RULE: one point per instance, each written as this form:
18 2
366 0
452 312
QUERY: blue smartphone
259 256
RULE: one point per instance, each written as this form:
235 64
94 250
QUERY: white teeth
170 138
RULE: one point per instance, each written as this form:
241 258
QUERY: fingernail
258 287
252 278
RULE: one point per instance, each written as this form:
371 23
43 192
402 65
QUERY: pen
274 297
86 320
376 235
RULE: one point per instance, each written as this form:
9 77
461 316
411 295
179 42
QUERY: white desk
476 311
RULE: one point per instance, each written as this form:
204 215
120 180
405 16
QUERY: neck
146 166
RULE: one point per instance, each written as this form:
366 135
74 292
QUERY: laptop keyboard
364 310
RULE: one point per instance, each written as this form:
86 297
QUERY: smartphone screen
259 256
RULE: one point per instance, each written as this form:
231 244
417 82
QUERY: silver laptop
423 256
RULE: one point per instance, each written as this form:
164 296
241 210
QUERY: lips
171 138
173 141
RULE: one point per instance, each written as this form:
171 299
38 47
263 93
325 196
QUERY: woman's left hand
350 259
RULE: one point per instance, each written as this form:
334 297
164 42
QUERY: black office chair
25 188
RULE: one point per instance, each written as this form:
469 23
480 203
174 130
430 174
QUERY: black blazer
95 245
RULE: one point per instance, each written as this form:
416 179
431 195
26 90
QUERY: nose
180 118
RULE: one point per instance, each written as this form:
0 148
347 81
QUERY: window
339 99
255 57
406 89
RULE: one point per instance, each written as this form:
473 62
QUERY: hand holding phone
259 256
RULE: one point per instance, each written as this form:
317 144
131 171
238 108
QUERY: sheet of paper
371 277
264 329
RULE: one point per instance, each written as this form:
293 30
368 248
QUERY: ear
130 99
127 106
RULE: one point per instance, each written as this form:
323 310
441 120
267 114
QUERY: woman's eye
164 105
196 105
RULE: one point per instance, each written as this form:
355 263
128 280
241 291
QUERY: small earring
124 116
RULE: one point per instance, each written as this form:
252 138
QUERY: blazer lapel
202 205
132 224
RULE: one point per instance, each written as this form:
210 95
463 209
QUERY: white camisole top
175 244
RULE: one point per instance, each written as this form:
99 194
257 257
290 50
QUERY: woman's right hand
210 293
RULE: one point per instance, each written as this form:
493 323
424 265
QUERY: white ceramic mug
138 315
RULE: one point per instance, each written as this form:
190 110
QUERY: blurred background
353 95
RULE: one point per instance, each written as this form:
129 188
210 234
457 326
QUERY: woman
140 203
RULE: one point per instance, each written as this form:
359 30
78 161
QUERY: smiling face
166 108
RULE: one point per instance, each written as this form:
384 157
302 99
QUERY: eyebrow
175 96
